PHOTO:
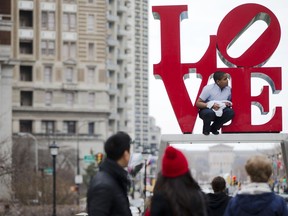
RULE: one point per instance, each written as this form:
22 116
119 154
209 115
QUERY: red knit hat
174 163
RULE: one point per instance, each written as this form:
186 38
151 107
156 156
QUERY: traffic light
74 188
234 180
99 158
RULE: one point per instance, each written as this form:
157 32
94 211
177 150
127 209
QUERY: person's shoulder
100 184
160 204
160 197
235 198
212 85
209 87
278 198
278 202
228 88
103 179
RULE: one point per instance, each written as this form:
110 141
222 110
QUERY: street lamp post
145 156
54 151
78 172
145 177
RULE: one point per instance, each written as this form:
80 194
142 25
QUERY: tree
31 186
6 169
90 171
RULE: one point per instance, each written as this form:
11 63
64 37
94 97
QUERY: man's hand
228 104
215 106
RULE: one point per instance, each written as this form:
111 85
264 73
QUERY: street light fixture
54 151
145 156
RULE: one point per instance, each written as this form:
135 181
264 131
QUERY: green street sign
89 158
48 171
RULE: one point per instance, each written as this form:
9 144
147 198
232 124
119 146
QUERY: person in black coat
218 201
107 192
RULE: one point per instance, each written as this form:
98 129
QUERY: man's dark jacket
107 193
265 204
217 203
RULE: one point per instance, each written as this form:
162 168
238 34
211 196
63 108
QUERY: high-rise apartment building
60 87
83 72
141 74
127 66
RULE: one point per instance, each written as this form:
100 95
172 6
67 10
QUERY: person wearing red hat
176 192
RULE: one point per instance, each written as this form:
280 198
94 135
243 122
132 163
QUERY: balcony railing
69 86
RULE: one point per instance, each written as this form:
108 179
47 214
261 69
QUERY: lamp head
53 149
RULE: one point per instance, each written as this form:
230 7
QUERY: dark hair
182 193
218 184
218 75
116 145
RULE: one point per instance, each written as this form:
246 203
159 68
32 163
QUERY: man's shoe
206 133
215 132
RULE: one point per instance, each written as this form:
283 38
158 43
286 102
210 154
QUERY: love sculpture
241 69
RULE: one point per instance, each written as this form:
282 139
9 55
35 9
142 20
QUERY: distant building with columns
221 159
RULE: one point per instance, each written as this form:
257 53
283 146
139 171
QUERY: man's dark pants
208 116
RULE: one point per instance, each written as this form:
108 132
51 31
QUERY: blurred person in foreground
218 200
107 193
256 198
176 192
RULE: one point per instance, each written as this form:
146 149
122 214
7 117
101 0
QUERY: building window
48 98
69 50
69 99
91 22
26 19
91 99
69 127
47 47
26 47
26 126
47 74
91 75
69 21
26 73
26 98
69 75
48 20
91 51
48 127
91 128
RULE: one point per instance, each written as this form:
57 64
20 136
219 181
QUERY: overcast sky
204 17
